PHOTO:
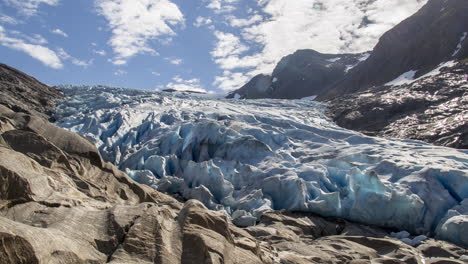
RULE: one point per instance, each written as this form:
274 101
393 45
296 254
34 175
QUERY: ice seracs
247 157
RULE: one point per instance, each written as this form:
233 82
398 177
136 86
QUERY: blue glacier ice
247 157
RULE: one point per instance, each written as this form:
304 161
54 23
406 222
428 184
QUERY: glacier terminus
246 157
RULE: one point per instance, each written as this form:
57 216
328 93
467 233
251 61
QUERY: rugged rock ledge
432 109
60 203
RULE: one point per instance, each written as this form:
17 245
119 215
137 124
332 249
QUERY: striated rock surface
23 93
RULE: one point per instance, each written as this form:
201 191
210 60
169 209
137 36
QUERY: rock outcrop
302 74
433 109
23 93
61 203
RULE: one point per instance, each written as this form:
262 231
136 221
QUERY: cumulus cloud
59 32
230 80
227 45
202 21
45 55
180 84
280 27
134 23
30 7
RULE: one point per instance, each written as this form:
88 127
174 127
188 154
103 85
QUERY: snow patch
274 80
459 46
309 97
363 58
436 71
334 59
405 78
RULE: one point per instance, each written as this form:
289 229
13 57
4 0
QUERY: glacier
246 157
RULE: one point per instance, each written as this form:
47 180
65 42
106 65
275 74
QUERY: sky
201 45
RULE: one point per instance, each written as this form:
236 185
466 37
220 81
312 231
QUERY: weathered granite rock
306 238
23 93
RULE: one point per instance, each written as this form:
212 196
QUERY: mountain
302 74
434 35
431 108
411 86
414 83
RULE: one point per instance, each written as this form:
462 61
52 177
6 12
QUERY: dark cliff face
23 93
420 43
304 73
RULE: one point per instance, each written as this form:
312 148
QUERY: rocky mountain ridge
432 109
434 35
304 73
61 203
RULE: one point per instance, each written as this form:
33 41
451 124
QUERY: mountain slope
302 74
432 109
23 93
434 35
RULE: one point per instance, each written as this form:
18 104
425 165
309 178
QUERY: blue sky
212 45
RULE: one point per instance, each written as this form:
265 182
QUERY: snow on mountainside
248 157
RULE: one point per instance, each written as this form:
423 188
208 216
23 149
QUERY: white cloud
175 61
120 72
227 45
134 23
100 52
284 26
45 55
30 7
202 21
58 31
156 73
222 6
8 20
65 56
242 22
33 38
180 84
230 80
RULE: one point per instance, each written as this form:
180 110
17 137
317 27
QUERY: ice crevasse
245 157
